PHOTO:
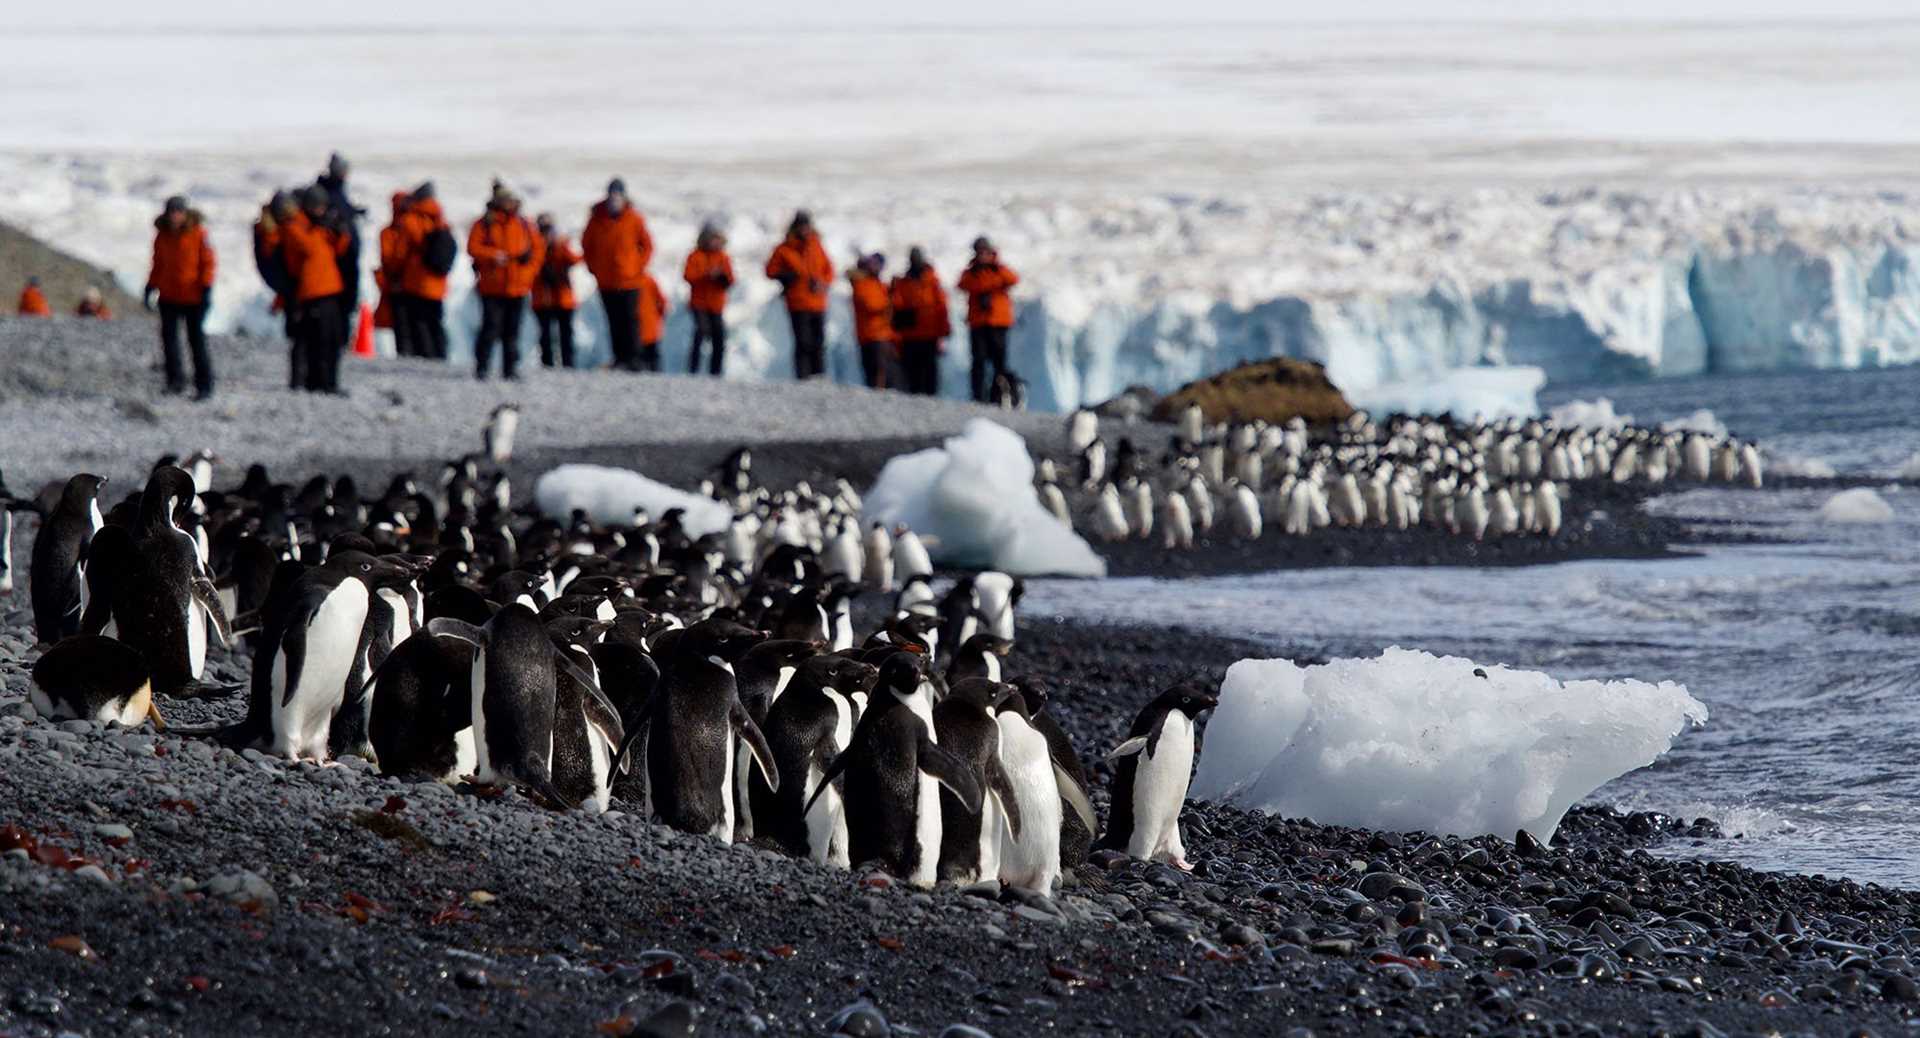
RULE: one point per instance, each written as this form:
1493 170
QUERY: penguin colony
1510 478
713 683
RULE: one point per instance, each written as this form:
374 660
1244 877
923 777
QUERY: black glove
786 280
146 299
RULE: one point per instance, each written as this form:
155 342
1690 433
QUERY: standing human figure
33 302
432 252
709 273
651 318
182 276
390 276
553 300
270 259
801 266
312 241
345 216
989 315
873 319
507 253
618 249
920 316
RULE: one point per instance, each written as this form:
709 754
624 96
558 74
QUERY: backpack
439 251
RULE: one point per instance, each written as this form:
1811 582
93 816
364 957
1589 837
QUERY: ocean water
1806 650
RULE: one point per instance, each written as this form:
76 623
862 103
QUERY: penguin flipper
1001 785
448 627
1074 796
639 731
757 743
599 711
204 593
951 772
1128 748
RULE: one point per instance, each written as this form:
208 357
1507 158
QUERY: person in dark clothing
182 277
344 214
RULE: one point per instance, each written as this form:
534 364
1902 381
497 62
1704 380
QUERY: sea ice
1488 393
1589 414
609 495
973 502
1859 505
1410 741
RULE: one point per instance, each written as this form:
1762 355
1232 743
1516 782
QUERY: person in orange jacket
920 316
553 302
431 253
33 302
709 273
389 277
312 240
182 276
873 319
618 249
270 259
93 304
651 320
989 315
801 266
507 253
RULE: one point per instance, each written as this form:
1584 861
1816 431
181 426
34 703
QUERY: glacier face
1393 291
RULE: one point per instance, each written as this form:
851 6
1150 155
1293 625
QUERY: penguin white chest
1160 790
1032 862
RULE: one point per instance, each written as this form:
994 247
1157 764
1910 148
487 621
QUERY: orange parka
507 253
872 310
182 261
988 304
653 310
803 267
421 219
33 302
98 311
554 289
313 256
392 270
709 273
617 248
924 300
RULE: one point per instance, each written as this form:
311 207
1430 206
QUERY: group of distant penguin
713 682
1479 480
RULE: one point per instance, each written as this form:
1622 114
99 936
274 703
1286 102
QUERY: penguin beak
1007 691
1207 702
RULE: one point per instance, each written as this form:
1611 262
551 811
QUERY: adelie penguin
760 677
692 723
421 719
1030 858
94 679
514 681
894 770
970 840
807 728
162 595
57 571
587 730
1152 769
980 657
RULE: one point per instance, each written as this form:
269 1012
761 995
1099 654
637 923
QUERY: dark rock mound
1276 389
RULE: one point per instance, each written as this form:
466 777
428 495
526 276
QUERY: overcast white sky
893 13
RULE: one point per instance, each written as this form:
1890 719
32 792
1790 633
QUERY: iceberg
1859 505
972 501
1486 393
1411 741
609 496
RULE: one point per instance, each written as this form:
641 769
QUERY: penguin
760 677
998 594
915 597
57 571
970 840
1244 509
1192 427
6 546
894 770
979 657
959 615
910 557
1030 857
1055 502
513 695
1076 830
94 679
844 555
1152 769
1109 517
1083 427
1546 503
693 720
420 724
164 597
807 728
1750 465
587 731
1176 521
877 572
314 643
498 435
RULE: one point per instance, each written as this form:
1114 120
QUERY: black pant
921 358
623 326
194 317
403 343
555 323
989 348
426 325
499 322
875 359
649 358
317 342
809 343
708 328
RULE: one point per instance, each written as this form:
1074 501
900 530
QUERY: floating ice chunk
609 495
1486 392
1589 414
1859 505
974 502
1910 469
1413 741
1701 421
1799 465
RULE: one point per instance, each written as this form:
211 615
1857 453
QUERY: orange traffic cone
363 335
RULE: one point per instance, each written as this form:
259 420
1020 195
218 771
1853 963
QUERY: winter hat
981 244
177 204
616 186
424 191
